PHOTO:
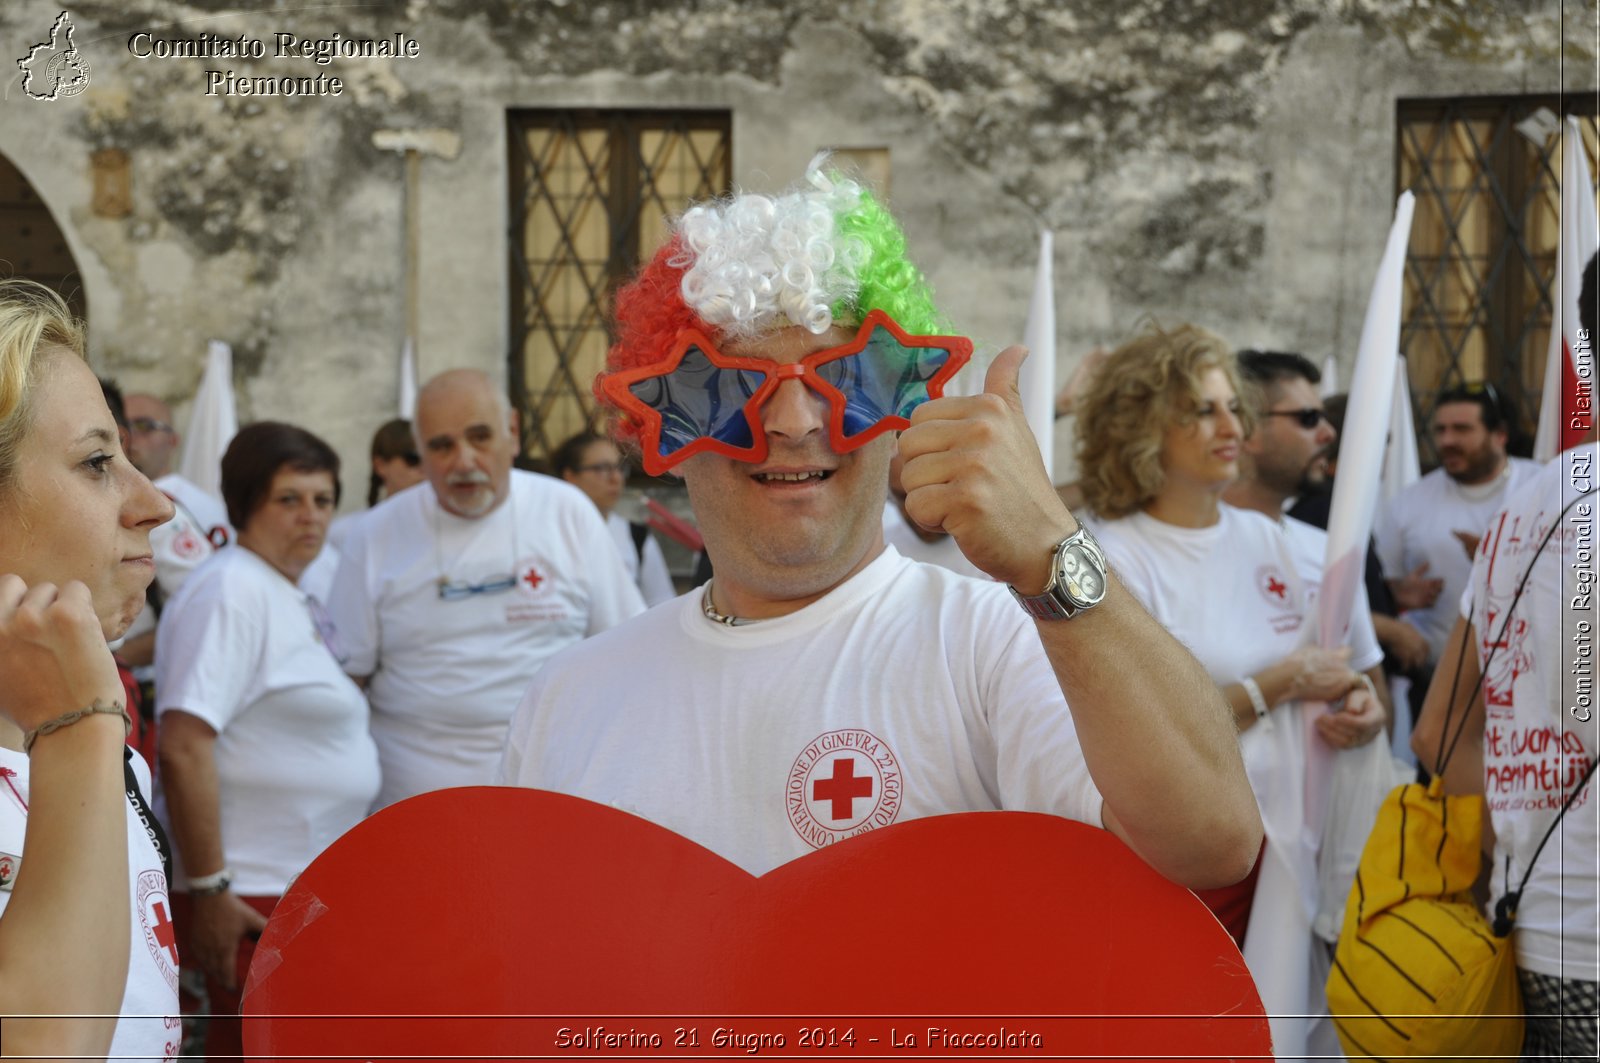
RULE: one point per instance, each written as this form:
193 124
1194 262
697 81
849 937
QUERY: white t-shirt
206 507
1418 524
446 674
650 575
1240 595
906 691
149 1027
295 762
1540 728
944 552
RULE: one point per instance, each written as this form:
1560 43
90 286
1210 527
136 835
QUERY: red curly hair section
649 312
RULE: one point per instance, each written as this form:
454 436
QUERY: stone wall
1230 163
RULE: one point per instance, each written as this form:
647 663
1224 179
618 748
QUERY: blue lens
699 398
884 379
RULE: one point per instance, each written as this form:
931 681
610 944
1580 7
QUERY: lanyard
152 827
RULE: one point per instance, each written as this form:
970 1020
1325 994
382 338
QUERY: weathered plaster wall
1229 163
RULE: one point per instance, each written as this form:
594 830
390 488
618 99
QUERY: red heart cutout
551 913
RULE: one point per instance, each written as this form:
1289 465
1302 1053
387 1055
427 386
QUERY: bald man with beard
451 596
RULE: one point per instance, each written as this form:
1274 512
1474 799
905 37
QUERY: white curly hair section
758 262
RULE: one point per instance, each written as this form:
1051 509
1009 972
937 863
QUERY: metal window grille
1482 256
591 192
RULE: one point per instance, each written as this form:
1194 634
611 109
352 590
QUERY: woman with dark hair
265 753
396 465
593 464
82 886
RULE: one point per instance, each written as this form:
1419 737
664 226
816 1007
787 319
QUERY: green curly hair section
888 281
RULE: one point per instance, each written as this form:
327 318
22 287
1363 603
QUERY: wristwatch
1077 580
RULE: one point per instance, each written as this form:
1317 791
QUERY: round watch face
1085 583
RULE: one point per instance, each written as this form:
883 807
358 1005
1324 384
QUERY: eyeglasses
1310 417
451 592
698 399
460 590
606 468
148 424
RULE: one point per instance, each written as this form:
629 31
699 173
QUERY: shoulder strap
1448 748
147 818
1505 912
1505 909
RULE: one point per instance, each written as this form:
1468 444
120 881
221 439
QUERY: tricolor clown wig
825 253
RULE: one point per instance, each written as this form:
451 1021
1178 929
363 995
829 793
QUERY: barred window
1482 258
591 192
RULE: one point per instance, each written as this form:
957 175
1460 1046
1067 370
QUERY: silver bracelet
1257 701
68 719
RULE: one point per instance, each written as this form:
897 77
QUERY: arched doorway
32 245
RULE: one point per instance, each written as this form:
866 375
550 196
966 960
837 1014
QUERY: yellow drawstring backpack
1418 970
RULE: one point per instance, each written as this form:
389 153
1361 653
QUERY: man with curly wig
821 685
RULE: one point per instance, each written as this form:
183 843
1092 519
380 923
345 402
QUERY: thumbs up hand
973 469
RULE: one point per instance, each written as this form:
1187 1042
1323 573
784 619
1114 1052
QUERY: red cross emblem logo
842 788
1273 585
159 933
166 937
843 783
532 578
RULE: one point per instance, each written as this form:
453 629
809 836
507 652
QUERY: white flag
408 379
1037 380
1402 467
213 422
1278 947
1566 407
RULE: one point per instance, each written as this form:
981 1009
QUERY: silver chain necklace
715 617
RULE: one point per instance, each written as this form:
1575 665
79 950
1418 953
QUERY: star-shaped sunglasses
698 400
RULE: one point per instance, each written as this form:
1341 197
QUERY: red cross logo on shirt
533 579
166 937
1274 586
842 789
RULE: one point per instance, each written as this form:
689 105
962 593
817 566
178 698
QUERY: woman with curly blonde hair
1159 438
85 925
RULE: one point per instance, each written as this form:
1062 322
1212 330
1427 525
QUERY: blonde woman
85 923
1158 434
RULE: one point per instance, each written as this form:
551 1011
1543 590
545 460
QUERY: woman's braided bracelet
70 718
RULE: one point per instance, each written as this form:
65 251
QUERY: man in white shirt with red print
822 685
451 596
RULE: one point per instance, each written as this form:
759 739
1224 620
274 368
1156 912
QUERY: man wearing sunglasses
820 685
451 595
1288 456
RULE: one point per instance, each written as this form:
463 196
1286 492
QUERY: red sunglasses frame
617 388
